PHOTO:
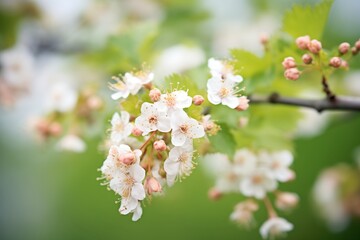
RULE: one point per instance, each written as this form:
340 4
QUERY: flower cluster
162 136
254 175
222 86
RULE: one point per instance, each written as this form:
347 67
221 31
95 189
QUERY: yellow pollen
257 179
170 100
224 92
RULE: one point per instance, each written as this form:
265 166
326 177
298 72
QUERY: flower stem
271 211
147 141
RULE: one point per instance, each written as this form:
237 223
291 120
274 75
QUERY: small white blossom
278 165
222 91
184 128
120 88
151 119
223 70
61 98
137 212
179 163
173 101
121 128
71 143
257 184
274 227
245 162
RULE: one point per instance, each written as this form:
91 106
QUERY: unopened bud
152 185
303 42
264 39
55 129
127 158
354 50
289 62
286 200
94 102
243 103
344 64
160 145
344 48
335 62
314 46
357 45
214 194
306 58
155 94
198 100
136 132
292 73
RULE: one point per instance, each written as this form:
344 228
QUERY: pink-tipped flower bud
335 62
136 132
264 39
127 158
344 48
292 74
357 45
155 94
55 128
198 100
160 145
152 185
306 58
214 194
354 50
286 200
289 62
344 64
314 46
243 103
303 42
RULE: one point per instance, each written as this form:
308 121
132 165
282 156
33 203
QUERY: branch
339 103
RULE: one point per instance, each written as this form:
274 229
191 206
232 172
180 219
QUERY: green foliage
307 20
8 29
224 141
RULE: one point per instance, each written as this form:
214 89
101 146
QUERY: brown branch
339 103
329 94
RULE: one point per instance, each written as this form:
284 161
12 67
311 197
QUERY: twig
339 103
329 94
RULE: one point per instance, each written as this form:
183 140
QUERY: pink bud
127 158
55 129
214 194
357 45
286 200
155 94
344 64
152 185
160 145
292 73
243 103
289 62
306 58
303 42
264 39
344 48
136 132
94 102
354 50
335 62
314 46
198 100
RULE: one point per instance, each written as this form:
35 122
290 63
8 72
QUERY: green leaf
224 141
307 20
181 82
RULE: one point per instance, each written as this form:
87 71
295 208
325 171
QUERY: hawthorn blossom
223 92
121 128
151 119
223 70
278 163
179 162
258 183
71 143
243 213
274 227
245 162
184 128
177 100
120 88
61 98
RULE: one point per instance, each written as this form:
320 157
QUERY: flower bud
198 100
289 62
314 46
344 64
264 39
243 103
152 185
335 62
155 94
94 102
292 73
55 128
243 122
136 132
214 194
286 200
357 45
306 58
127 158
303 42
344 48
160 145
354 50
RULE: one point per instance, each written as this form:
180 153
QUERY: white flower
122 90
243 212
257 184
71 143
223 70
278 164
151 119
244 162
137 213
135 81
179 163
184 128
274 227
222 91
61 98
121 128
173 101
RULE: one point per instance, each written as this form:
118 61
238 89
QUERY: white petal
214 98
197 131
170 179
163 124
128 205
231 101
178 138
171 167
137 172
137 213
138 191
125 117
